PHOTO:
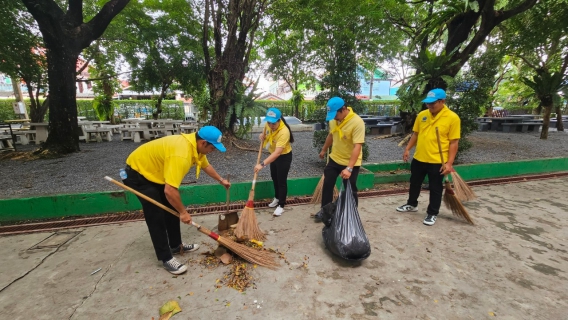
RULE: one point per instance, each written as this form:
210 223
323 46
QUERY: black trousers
331 172
279 169
163 226
418 171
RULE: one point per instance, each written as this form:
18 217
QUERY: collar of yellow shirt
338 127
196 156
271 134
439 115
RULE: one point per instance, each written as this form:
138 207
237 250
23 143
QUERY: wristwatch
349 169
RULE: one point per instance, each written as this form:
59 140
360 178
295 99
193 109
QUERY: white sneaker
278 211
274 203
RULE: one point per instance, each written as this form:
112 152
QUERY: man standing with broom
426 161
346 137
156 170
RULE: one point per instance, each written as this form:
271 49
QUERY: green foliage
365 151
106 84
545 84
7 110
160 41
245 109
433 69
172 109
104 108
23 52
319 139
470 92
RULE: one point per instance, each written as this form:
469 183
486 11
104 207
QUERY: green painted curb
476 171
64 205
85 204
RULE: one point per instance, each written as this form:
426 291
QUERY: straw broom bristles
247 227
454 204
260 257
462 190
316 198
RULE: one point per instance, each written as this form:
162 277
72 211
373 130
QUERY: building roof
270 96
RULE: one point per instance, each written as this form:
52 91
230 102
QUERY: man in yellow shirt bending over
346 137
156 169
427 159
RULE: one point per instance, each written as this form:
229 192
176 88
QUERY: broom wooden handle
440 150
228 192
201 229
257 162
440 146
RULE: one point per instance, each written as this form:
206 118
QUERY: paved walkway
512 265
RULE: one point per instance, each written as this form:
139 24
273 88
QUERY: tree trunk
221 92
371 85
547 108
63 137
559 123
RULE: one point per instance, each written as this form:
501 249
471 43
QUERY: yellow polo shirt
353 132
448 124
280 140
168 159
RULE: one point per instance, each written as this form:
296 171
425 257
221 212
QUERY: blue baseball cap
212 135
333 105
273 115
435 95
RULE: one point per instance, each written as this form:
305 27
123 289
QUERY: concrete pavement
512 265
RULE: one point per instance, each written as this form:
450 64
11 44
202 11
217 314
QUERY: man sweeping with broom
156 170
426 161
346 137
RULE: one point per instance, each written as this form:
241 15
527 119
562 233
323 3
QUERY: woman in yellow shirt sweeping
277 136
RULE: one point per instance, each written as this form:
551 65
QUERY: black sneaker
174 267
406 208
430 220
186 248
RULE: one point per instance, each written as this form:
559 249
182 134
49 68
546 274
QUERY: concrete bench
90 133
24 137
483 126
521 127
384 128
6 142
134 134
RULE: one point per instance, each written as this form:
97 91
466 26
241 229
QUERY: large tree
66 34
539 40
160 41
446 34
229 28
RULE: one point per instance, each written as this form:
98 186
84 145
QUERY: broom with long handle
247 228
451 201
262 258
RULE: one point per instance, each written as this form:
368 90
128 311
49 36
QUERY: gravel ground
84 171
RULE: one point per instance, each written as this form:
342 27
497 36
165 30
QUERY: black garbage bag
345 236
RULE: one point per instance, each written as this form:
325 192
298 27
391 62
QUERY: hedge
173 109
307 108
